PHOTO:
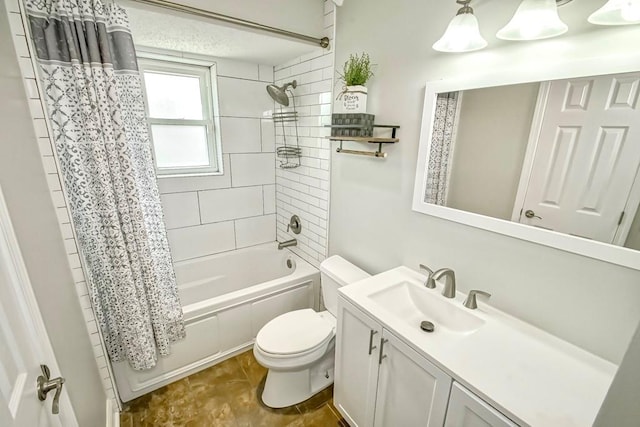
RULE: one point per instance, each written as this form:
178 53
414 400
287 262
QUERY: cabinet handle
382 356
371 346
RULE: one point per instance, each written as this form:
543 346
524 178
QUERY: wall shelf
368 139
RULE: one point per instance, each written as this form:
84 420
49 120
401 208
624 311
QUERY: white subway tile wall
253 231
231 203
304 191
202 213
193 242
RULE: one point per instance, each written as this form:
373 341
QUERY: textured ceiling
169 30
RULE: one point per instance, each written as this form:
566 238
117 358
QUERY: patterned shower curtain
439 164
95 102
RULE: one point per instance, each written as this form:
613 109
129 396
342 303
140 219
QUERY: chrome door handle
45 385
371 346
531 214
382 355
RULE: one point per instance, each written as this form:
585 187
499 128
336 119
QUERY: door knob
46 384
531 214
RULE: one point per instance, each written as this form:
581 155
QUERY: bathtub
226 299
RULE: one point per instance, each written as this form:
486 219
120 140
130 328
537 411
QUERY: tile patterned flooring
226 395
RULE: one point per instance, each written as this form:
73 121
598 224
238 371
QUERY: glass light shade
462 35
617 12
534 20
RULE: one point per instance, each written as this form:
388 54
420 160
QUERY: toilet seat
296 333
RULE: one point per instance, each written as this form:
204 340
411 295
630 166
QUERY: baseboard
113 414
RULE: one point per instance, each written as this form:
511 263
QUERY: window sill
189 175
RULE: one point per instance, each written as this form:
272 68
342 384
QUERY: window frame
205 71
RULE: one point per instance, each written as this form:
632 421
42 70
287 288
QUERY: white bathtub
226 299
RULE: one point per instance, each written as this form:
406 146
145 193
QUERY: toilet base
287 388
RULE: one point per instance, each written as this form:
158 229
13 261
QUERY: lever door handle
371 346
46 384
531 214
382 356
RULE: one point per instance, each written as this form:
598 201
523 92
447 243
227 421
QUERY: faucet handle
430 283
471 302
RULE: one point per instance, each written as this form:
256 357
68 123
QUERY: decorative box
347 124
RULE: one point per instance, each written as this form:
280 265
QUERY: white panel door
468 410
357 344
586 158
411 390
24 344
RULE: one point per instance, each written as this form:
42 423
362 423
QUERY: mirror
556 162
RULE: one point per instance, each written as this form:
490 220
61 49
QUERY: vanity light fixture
617 12
463 33
534 20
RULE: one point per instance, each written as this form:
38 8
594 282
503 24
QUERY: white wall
27 190
587 302
620 407
633 238
211 214
491 140
304 191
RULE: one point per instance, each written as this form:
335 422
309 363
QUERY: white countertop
533 377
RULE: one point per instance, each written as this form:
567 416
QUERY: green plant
357 70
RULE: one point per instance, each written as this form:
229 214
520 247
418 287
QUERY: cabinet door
356 372
411 390
468 410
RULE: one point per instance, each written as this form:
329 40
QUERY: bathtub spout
287 243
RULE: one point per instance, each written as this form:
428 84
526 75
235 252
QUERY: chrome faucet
430 283
287 243
449 281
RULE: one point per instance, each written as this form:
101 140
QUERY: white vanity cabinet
382 382
468 410
480 368
411 390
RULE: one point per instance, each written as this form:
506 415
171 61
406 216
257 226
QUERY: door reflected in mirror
562 155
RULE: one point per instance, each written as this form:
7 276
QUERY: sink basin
414 303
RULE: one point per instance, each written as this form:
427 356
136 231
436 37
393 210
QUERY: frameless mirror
556 162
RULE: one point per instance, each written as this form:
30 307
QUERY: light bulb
617 12
534 19
462 35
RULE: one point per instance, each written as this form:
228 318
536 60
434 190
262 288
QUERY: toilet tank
335 272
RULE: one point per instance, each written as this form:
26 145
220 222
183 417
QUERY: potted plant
355 74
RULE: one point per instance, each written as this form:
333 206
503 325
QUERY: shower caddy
289 155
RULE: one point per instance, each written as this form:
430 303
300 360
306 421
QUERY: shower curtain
439 164
94 98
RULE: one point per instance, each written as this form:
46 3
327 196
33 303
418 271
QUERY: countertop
531 376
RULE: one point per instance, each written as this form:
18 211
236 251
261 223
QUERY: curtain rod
323 42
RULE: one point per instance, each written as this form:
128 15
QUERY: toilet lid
294 332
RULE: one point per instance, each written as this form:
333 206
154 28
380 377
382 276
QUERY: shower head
279 94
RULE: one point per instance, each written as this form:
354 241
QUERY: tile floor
226 395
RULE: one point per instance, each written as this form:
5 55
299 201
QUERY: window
179 99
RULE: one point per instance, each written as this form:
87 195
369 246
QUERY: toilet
298 347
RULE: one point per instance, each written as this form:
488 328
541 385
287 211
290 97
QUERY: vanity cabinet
357 340
411 390
380 381
468 410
